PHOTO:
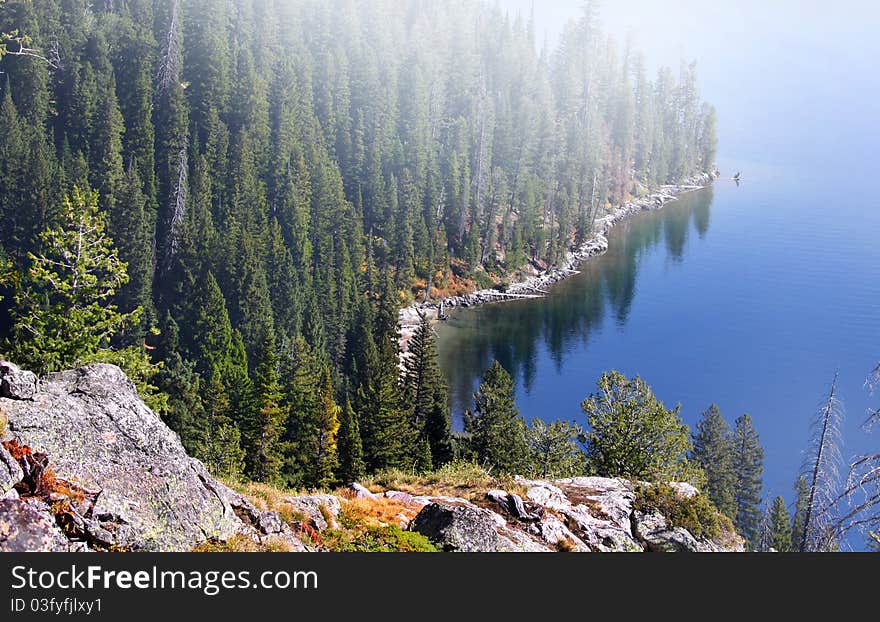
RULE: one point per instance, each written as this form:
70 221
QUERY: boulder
554 532
611 499
10 472
15 383
595 510
658 536
27 527
361 492
321 510
463 527
406 498
684 490
137 489
512 504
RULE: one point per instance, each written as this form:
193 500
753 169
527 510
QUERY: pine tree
351 460
713 452
223 453
802 499
177 379
554 450
748 468
312 420
209 329
632 434
425 392
780 526
130 227
63 312
106 148
389 439
263 425
325 441
498 435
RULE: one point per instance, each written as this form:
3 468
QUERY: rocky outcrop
10 473
460 526
97 463
583 514
29 527
15 383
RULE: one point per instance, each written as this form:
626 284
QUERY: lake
751 297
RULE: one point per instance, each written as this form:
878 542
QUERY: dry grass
4 424
268 498
466 480
378 512
243 544
459 479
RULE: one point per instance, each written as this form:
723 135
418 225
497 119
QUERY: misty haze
458 275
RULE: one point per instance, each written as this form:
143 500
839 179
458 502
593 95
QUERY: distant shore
536 286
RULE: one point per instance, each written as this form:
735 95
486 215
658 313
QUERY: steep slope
86 465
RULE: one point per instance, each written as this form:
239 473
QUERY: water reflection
515 332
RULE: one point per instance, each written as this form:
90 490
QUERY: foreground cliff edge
86 465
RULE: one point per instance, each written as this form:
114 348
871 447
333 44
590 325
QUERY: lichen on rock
139 489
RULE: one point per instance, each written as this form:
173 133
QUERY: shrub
388 539
696 513
483 280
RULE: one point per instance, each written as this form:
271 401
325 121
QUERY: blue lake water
751 297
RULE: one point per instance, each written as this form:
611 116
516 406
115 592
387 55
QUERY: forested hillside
232 199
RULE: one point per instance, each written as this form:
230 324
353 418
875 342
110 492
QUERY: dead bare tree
873 383
863 483
169 60
821 469
177 202
16 43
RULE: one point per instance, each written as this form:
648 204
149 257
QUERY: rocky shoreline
536 286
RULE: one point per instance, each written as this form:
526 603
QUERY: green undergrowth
697 514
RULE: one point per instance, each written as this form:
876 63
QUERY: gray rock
684 489
361 492
555 533
609 499
15 383
463 527
406 498
596 510
321 510
458 528
659 537
26 528
512 504
145 492
10 471
498 496
518 508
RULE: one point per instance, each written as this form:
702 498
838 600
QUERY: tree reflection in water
564 321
